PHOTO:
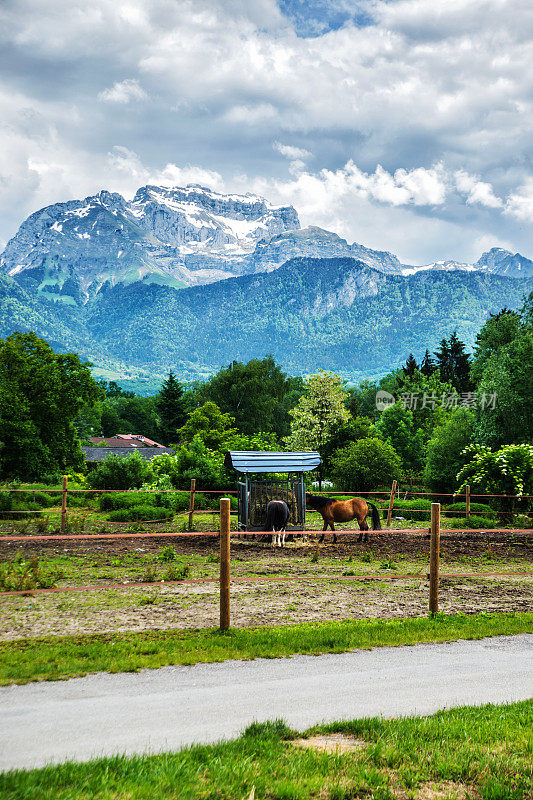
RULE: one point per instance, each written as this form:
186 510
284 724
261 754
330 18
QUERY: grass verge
57 658
474 752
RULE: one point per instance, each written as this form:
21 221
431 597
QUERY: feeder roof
257 461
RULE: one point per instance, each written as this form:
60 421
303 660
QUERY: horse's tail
376 524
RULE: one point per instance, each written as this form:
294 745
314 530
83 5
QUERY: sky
403 125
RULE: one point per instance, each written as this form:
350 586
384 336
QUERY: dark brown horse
344 511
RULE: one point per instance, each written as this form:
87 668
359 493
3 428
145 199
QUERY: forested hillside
332 313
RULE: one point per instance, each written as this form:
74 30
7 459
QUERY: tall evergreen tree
454 363
410 366
428 365
170 406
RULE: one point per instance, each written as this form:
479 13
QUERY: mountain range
189 279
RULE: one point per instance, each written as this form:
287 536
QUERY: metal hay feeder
255 493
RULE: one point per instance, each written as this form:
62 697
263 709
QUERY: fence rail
224 580
393 494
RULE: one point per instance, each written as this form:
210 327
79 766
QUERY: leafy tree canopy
497 332
364 465
214 428
258 395
504 365
508 470
445 450
397 427
319 412
41 395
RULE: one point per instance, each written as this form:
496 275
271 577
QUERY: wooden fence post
391 503
434 559
191 503
64 505
224 562
468 502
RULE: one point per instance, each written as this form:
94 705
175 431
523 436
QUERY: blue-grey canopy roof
257 461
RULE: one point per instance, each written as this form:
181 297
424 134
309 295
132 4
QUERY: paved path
167 708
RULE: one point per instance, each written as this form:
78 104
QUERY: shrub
117 472
408 509
167 553
47 500
42 499
473 522
6 503
365 464
20 575
18 511
120 500
150 574
180 501
459 509
141 512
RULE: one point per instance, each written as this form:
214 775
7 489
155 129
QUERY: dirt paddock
282 586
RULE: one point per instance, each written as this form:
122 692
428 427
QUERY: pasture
168 581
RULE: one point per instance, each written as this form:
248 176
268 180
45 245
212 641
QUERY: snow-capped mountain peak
185 236
179 235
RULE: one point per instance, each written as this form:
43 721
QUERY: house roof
257 461
125 440
100 453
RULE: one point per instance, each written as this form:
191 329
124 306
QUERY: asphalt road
168 708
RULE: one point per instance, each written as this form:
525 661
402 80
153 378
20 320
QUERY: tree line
450 410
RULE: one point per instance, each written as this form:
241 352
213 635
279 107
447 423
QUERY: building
124 440
122 444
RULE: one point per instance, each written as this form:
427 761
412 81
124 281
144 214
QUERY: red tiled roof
124 440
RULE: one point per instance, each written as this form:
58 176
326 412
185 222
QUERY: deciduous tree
41 394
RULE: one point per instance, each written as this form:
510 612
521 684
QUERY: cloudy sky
404 125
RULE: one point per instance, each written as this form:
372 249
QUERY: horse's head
310 500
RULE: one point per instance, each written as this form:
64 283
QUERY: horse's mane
320 500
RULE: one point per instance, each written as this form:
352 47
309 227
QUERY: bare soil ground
275 587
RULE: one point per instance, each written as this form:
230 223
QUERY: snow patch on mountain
186 236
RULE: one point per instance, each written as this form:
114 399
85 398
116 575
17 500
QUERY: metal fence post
391 503
468 502
224 563
64 505
434 559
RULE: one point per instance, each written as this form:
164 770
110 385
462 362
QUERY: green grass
478 752
56 658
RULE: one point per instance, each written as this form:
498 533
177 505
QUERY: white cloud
409 120
123 92
291 152
520 203
476 191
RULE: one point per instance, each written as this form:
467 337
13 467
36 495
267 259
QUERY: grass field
483 753
56 658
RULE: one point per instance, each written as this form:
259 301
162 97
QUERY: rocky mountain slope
72 252
136 287
178 237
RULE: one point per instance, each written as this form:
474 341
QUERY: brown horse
344 511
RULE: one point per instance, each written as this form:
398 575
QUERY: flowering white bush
509 470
